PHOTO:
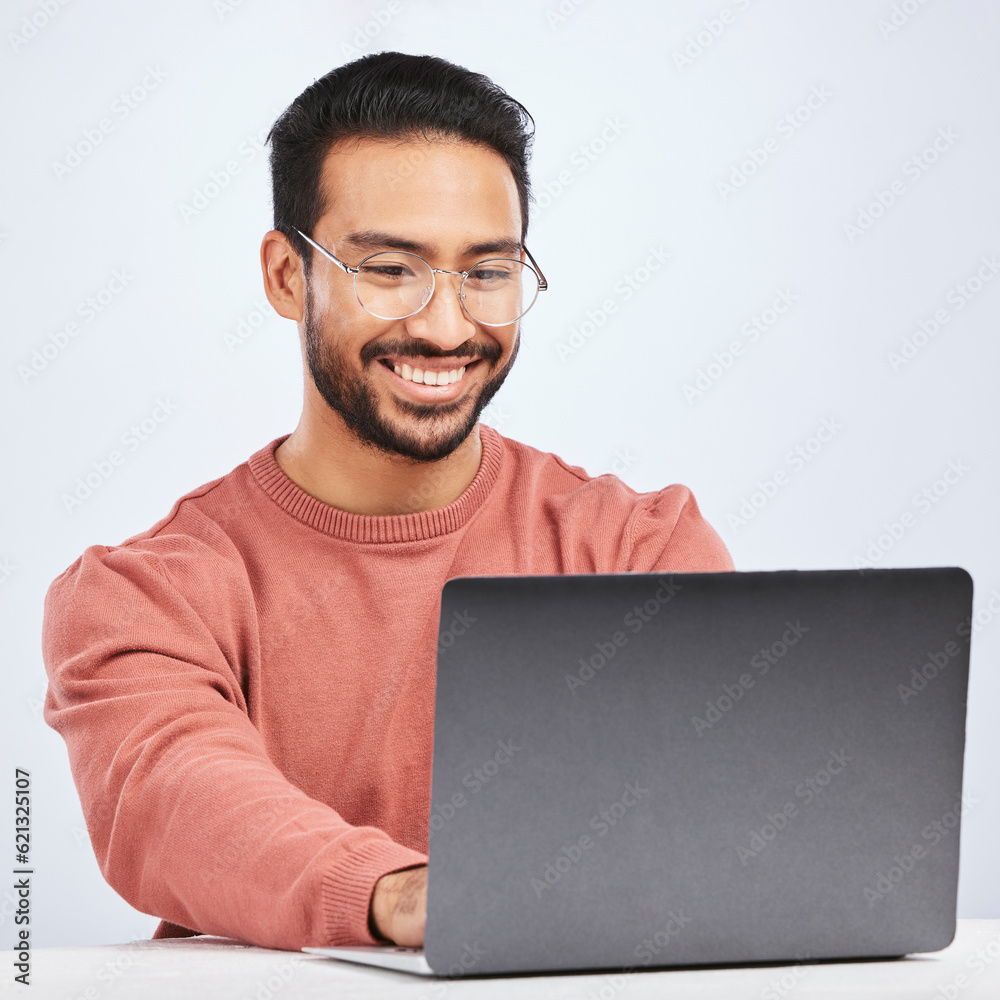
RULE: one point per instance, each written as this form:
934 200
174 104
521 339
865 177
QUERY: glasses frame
347 269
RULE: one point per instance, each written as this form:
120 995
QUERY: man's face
453 203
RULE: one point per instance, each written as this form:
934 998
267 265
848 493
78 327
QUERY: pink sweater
246 689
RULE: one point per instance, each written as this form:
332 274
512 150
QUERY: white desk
220 969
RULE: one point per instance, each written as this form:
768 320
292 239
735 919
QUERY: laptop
649 770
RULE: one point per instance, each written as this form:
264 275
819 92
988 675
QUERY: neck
325 458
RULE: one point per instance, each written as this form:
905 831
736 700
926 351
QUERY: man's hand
398 908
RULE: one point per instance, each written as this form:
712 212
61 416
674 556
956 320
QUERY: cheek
343 323
330 296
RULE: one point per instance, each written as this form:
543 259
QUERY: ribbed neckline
373 528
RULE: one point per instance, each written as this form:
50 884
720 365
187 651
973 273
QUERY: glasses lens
498 292
393 285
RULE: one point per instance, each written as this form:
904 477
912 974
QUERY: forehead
445 192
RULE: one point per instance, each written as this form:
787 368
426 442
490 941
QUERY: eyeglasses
396 285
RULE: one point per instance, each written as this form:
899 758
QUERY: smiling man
246 689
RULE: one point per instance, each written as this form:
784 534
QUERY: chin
414 439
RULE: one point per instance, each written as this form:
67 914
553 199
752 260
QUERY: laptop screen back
661 769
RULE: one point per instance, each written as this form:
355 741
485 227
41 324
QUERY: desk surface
227 970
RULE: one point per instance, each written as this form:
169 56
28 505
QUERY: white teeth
428 377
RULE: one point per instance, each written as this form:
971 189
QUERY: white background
223 70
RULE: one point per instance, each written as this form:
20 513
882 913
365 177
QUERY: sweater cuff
347 889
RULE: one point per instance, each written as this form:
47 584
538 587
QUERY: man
246 689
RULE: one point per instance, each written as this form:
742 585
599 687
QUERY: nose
443 321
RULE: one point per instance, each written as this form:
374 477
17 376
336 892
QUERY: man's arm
667 533
189 818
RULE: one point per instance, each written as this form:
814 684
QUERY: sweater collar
378 528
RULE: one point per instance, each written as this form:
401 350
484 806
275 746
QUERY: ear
284 280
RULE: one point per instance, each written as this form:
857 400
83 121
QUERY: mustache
374 351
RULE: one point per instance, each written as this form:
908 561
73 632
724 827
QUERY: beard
424 432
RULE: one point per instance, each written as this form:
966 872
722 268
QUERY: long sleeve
668 533
146 649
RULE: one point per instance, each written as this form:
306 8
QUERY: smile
429 385
426 376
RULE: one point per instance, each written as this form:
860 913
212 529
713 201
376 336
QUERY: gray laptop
637 770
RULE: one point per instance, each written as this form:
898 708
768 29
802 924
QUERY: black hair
388 95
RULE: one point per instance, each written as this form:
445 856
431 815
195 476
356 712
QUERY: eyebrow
375 239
